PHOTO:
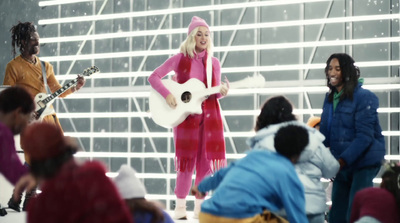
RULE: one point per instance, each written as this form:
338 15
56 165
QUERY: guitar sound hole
186 97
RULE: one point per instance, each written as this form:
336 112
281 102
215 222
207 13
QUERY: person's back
262 181
379 204
315 162
71 193
77 194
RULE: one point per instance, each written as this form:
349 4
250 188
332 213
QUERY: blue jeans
346 184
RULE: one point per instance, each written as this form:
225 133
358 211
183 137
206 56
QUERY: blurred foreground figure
379 205
71 192
133 191
16 109
251 189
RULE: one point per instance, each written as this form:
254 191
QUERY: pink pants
203 169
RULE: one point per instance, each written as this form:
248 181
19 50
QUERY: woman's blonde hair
189 45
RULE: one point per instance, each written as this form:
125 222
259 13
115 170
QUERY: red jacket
78 194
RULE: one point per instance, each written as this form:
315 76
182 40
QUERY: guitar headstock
90 70
255 81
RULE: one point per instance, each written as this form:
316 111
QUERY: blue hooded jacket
352 131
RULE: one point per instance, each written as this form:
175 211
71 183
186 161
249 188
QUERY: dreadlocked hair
275 110
21 32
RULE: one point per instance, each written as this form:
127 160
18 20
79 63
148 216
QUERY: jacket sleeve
330 166
10 164
217 73
212 182
366 110
324 121
53 83
293 199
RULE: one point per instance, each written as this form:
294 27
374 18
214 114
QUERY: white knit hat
129 186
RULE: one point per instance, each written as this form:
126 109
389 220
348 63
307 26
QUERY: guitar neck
209 91
60 91
232 85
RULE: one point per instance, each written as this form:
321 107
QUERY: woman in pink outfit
199 140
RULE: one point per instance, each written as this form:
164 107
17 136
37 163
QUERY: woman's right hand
171 101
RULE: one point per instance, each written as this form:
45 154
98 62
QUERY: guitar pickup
41 104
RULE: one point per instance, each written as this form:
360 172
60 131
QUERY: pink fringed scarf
187 134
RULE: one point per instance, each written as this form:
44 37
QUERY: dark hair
350 75
291 140
50 167
21 32
391 181
275 110
15 97
142 205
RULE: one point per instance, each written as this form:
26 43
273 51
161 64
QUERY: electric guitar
189 97
43 101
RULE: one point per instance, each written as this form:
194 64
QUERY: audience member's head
391 180
314 122
275 110
48 148
129 186
133 192
16 106
290 141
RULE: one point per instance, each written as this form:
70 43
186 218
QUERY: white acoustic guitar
189 97
43 101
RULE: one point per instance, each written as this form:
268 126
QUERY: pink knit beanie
197 21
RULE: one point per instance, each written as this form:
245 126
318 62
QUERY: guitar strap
209 71
45 77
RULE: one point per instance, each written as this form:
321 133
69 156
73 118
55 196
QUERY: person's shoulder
363 94
14 61
371 191
92 167
167 217
258 152
215 60
177 56
47 64
5 132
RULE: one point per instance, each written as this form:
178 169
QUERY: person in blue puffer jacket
350 124
315 161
